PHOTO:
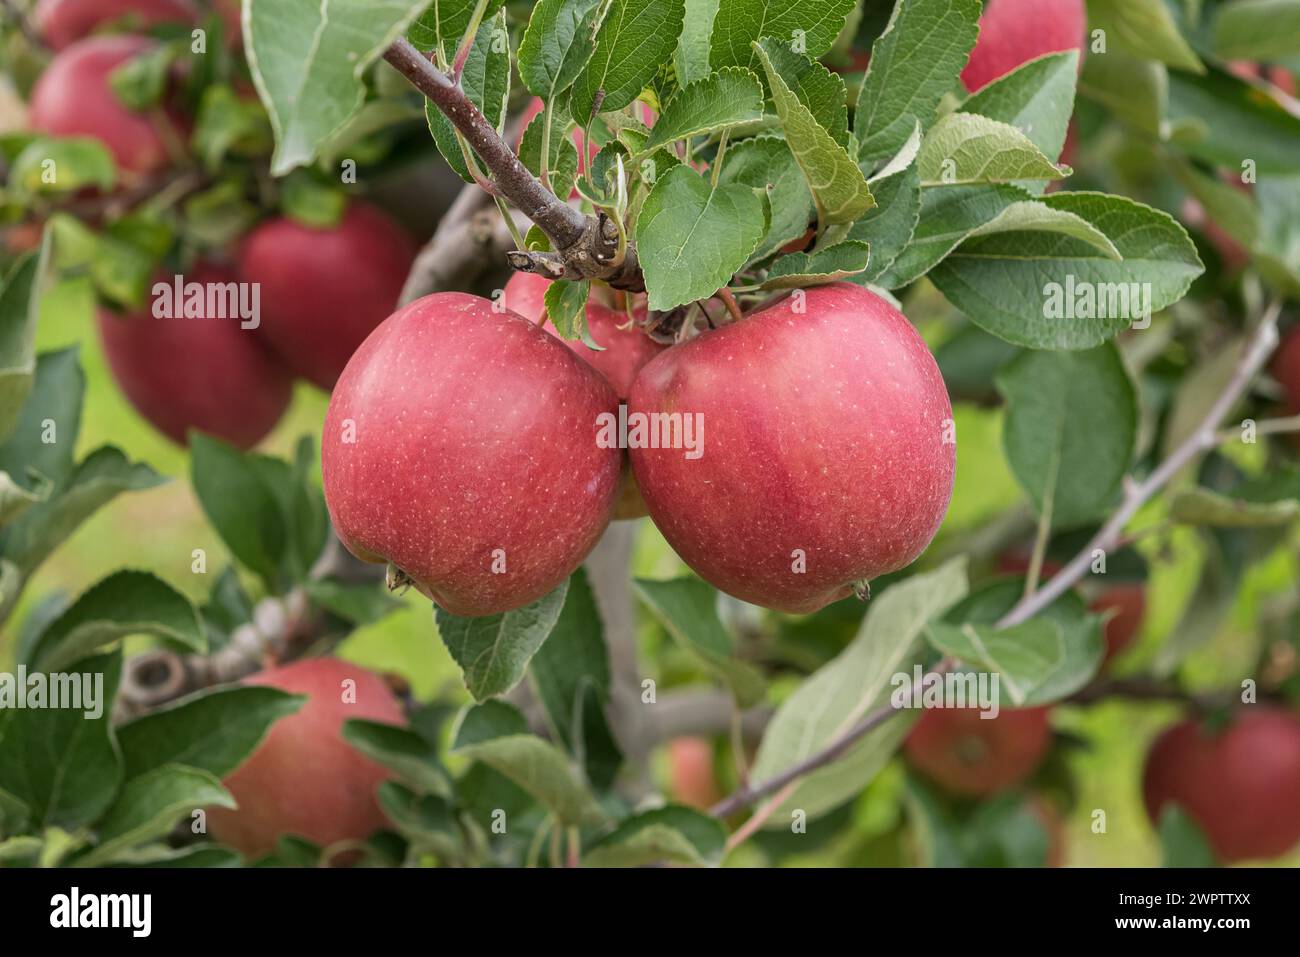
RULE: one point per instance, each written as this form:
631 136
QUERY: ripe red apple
461 446
1241 785
824 459
73 97
1013 32
977 757
207 374
62 22
1285 368
692 781
304 778
324 290
625 350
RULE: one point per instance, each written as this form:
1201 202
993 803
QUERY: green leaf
913 64
1201 506
94 482
241 504
692 236
688 609
1145 28
485 81
1226 121
312 200
228 124
149 807
666 835
562 162
1212 600
832 264
308 60
213 730
1027 216
361 603
820 91
193 855
495 734
766 163
63 165
720 100
556 45
1135 89
566 307
839 694
966 148
691 58
41 444
14 499
890 225
402 751
19 308
811 24
427 820
1070 431
634 38
218 216
125 603
838 186
1053 291
571 675
493 651
1022 656
17 848
1083 645
140 82
1037 98
1182 841
62 763
1259 30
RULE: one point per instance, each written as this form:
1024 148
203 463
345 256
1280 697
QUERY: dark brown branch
587 245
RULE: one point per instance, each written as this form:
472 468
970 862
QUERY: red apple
1285 368
625 350
73 97
824 461
974 756
62 22
207 374
324 290
1241 785
693 782
1013 32
461 446
304 778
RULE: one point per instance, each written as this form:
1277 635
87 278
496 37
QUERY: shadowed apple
1240 784
74 97
974 756
304 779
63 22
207 373
324 290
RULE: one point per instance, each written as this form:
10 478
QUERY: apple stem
729 301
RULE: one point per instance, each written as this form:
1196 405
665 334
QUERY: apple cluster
321 290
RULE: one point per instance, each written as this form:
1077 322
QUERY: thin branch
872 720
587 245
1136 494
